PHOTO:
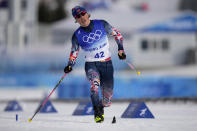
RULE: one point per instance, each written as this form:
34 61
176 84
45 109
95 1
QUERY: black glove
68 69
122 56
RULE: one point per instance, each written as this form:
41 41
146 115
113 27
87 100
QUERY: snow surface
169 116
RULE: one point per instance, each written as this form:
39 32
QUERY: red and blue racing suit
93 40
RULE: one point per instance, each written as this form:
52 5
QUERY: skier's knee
95 83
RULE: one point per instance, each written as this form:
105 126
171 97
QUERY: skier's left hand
121 54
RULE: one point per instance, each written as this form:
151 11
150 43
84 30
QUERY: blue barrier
29 80
137 110
134 87
48 108
13 105
143 87
156 87
84 108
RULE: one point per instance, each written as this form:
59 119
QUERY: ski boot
99 114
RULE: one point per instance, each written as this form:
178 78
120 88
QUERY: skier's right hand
68 69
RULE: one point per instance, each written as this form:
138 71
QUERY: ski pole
43 103
132 67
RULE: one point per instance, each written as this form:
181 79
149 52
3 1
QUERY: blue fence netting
77 86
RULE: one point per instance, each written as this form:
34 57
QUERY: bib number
99 55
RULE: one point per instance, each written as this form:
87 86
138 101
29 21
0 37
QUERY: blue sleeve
74 51
114 32
107 26
75 44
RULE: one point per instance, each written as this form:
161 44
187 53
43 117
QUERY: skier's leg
107 83
94 77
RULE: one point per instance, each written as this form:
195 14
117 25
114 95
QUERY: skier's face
83 19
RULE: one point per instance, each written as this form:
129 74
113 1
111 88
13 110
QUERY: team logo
92 37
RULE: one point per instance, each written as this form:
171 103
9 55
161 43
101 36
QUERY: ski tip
114 120
29 119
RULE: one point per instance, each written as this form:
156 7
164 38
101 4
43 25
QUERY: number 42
99 55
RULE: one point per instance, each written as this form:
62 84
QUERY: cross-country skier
92 37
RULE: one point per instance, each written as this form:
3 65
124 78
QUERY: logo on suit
92 37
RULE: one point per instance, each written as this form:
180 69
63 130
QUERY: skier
92 37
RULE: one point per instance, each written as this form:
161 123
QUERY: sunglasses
81 14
